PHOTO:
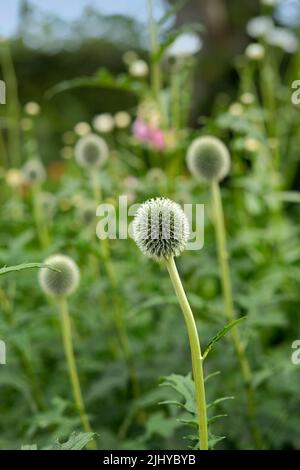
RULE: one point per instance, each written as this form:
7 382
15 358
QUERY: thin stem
69 352
175 94
118 316
229 309
155 66
96 188
197 360
40 222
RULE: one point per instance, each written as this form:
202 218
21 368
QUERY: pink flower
144 133
157 139
140 130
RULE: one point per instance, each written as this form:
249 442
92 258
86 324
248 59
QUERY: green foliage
77 441
185 388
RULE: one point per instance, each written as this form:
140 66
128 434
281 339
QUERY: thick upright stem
74 379
229 308
197 360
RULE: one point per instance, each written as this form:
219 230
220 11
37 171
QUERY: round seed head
91 151
34 172
161 229
60 283
208 159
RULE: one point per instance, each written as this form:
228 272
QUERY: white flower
185 45
122 120
82 128
161 229
139 69
104 123
259 26
91 151
283 38
255 51
32 108
14 178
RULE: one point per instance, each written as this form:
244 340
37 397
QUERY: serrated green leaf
220 335
185 386
219 400
215 418
210 376
75 441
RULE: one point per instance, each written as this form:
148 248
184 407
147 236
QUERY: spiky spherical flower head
161 229
208 159
63 282
91 151
34 172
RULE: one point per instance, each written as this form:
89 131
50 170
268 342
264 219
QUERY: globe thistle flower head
33 172
208 159
64 281
160 229
91 151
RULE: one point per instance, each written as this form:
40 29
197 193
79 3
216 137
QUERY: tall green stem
197 360
69 352
155 66
229 309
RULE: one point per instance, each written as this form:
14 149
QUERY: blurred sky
72 9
